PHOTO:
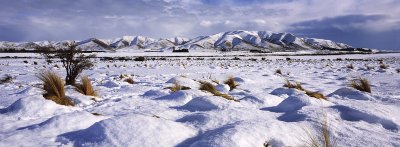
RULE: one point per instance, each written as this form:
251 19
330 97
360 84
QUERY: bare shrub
211 88
72 58
54 87
231 83
86 87
361 84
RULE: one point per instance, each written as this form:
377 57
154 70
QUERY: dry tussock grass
211 88
177 87
361 84
231 83
299 87
323 138
86 87
129 80
54 87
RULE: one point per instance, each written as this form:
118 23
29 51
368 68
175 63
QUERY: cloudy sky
361 23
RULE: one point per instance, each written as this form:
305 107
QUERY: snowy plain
147 114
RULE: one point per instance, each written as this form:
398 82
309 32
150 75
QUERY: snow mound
236 134
350 93
196 119
286 91
130 130
110 84
205 104
290 104
183 81
179 96
351 114
66 122
224 88
155 93
34 107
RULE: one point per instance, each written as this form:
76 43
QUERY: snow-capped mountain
225 41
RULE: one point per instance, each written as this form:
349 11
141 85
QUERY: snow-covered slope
226 41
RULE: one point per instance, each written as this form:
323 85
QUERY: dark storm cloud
367 23
353 30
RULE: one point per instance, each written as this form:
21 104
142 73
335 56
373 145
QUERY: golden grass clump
54 87
361 84
231 83
86 87
315 94
299 87
177 87
290 85
129 80
323 138
211 88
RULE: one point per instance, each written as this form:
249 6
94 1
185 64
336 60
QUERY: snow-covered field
147 114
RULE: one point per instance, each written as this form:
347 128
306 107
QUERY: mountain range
240 40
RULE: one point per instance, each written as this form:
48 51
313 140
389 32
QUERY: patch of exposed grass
177 87
54 87
96 114
6 79
211 88
383 66
361 84
129 80
231 83
86 87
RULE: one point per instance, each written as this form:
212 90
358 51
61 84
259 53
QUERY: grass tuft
54 87
288 84
211 88
383 66
86 87
231 83
299 87
350 66
278 71
129 80
323 138
177 87
361 84
6 79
